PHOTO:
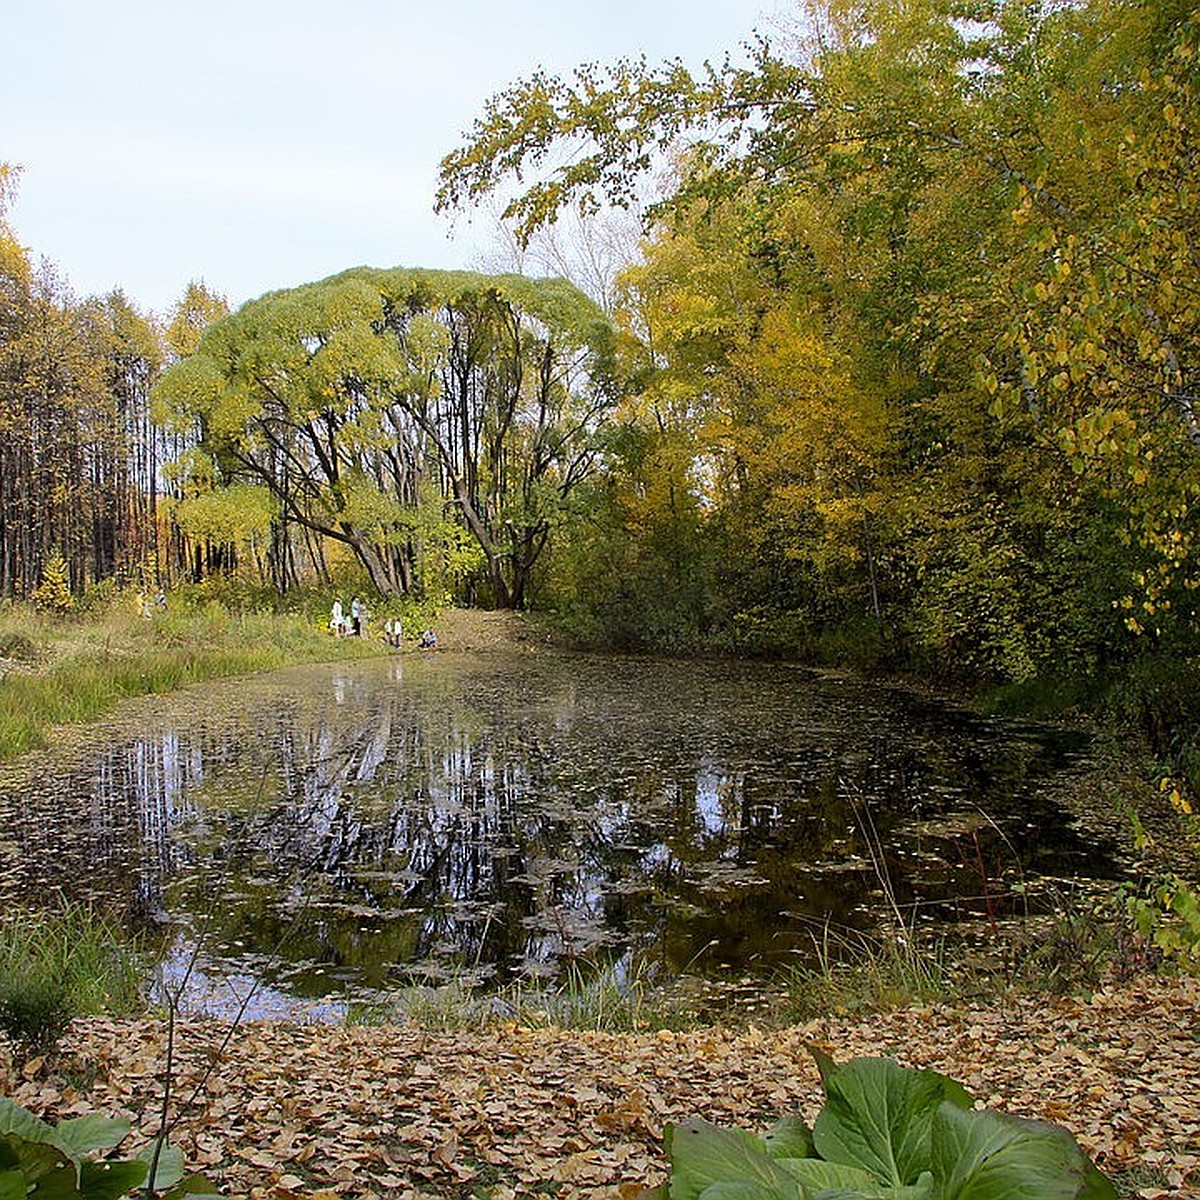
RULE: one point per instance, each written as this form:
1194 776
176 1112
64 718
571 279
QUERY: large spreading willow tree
364 400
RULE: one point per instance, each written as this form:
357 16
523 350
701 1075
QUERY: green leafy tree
342 397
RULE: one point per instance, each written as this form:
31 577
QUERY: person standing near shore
356 617
337 622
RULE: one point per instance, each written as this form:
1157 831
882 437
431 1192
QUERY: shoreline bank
400 1112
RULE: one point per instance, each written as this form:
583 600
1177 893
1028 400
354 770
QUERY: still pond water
332 830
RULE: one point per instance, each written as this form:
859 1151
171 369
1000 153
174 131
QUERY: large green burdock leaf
886 1133
12 1184
82 1135
789 1137
20 1121
878 1116
194 1186
49 1174
169 1169
110 1180
916 1192
827 1181
994 1156
703 1155
39 1163
737 1191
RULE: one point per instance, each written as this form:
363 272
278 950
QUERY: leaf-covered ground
397 1112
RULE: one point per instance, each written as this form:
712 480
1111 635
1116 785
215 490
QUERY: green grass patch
588 996
64 964
853 972
1043 697
88 665
17 646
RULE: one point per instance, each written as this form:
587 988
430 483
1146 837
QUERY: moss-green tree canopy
363 399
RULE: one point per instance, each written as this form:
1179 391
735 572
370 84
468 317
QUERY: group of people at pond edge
350 623
353 623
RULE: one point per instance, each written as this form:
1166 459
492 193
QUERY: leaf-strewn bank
399 1111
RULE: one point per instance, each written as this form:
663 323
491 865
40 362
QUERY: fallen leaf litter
395 1112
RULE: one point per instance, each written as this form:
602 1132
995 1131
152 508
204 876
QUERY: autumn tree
79 454
16 275
51 375
1103 340
195 311
349 397
124 453
983 230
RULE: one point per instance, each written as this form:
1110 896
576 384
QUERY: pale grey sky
258 144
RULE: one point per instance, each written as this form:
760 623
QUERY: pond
334 830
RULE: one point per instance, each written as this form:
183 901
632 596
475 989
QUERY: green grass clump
62 964
853 972
18 647
587 996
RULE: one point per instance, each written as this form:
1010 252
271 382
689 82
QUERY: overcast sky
257 144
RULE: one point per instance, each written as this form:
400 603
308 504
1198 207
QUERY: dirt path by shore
475 629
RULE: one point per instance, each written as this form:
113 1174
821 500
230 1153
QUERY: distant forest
903 372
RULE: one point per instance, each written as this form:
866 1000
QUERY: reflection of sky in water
717 797
511 814
214 989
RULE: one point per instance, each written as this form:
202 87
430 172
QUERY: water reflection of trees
508 823
102 832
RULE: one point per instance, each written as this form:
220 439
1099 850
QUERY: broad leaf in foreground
12 1185
789 1137
878 1115
827 1181
994 1156
737 1191
169 1169
20 1121
82 1135
703 1155
110 1180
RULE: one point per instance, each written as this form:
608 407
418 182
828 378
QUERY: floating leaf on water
954 825
721 876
